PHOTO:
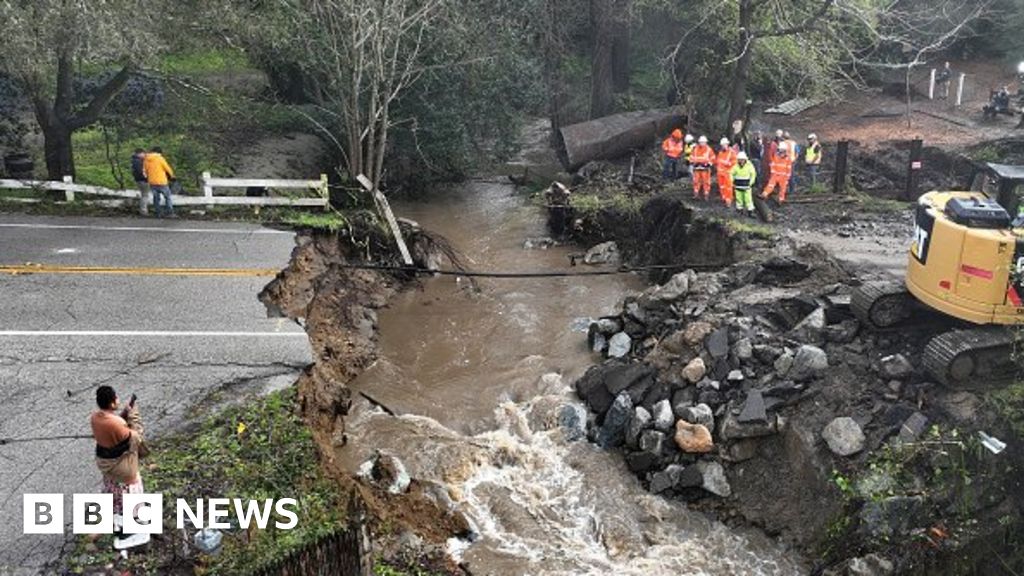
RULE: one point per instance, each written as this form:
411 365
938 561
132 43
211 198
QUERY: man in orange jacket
702 158
159 175
673 148
781 169
724 162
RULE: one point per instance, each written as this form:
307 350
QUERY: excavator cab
966 261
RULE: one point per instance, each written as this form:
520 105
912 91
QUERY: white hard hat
724 142
741 156
783 146
812 136
703 140
778 133
689 138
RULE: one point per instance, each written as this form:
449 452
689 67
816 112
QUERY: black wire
5 441
472 274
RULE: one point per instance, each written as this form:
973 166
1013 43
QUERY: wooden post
325 191
69 194
913 169
931 86
382 203
960 90
207 188
839 177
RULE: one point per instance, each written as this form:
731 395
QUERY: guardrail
208 184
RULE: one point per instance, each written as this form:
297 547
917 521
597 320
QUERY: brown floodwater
481 381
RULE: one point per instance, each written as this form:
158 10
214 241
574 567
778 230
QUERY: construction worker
687 152
781 169
673 148
812 157
794 155
701 159
744 176
724 162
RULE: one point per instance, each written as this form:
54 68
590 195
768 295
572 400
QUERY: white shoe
130 541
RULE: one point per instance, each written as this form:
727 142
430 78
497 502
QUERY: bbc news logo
143 513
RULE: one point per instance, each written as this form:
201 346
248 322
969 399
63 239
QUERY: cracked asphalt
170 340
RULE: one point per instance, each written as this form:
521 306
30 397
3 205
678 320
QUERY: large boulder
693 438
843 436
675 288
386 472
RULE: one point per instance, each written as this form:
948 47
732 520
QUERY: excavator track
972 359
882 305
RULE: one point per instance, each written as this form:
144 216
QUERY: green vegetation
1008 404
588 204
753 229
380 569
332 221
257 451
208 61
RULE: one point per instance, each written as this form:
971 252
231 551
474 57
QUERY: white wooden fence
208 183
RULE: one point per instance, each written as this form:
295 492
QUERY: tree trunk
601 26
745 51
60 161
552 46
621 40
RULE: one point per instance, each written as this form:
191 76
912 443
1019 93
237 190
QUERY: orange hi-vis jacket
702 157
673 148
725 160
782 166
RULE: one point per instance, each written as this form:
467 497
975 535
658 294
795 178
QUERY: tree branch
800 28
92 111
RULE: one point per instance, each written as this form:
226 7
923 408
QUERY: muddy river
482 385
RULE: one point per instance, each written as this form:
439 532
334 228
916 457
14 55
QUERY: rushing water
479 380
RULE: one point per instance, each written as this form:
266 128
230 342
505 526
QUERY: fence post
69 194
383 206
839 177
913 169
960 90
325 191
931 86
207 189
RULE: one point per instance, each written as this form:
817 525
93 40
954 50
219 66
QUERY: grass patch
332 221
205 61
586 204
256 451
749 228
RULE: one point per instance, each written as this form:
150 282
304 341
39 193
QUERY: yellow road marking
30 268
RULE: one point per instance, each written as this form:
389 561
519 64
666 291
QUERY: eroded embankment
753 393
337 305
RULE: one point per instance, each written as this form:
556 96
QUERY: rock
891 517
592 389
653 442
640 462
604 253
542 243
754 410
696 332
608 325
681 400
784 363
675 288
663 416
640 421
870 565
693 438
572 419
613 431
895 367
808 362
699 414
718 343
598 343
743 350
961 406
735 377
695 370
385 472
657 392
619 345
843 436
766 354
732 429
843 332
810 328
712 398
667 479
620 377
715 481
913 428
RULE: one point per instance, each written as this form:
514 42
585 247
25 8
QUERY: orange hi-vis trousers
701 182
725 187
777 180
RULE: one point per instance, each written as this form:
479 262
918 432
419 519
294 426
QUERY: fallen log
615 136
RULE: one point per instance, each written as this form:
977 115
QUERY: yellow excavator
966 261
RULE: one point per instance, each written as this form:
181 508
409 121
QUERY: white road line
145 229
170 333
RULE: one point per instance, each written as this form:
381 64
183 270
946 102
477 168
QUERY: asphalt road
171 340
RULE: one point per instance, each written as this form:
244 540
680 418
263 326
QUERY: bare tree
362 55
609 28
43 43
